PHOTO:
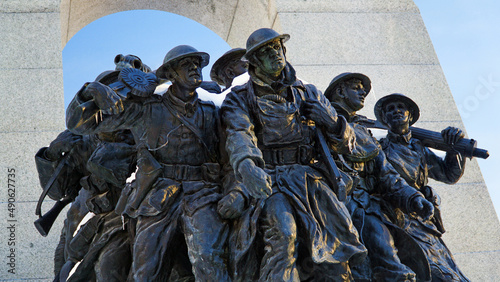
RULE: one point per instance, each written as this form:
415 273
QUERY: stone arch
232 20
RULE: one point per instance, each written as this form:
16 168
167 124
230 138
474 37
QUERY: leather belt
299 155
182 172
207 171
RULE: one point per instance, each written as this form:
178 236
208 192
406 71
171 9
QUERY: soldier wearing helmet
96 191
416 164
172 203
229 66
271 148
379 186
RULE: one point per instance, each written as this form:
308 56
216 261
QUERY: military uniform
100 165
177 183
377 193
265 124
416 163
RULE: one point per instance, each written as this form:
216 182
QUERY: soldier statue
229 66
416 164
90 171
172 204
270 145
379 188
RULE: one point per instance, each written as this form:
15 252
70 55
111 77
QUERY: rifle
45 222
466 147
333 170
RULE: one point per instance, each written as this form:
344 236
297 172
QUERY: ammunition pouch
80 243
102 203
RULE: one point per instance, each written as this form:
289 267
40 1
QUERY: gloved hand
422 207
323 116
64 142
104 97
452 135
232 205
256 180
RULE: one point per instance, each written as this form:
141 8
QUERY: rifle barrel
433 139
467 147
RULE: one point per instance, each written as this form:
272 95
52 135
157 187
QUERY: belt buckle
275 157
183 172
304 154
280 157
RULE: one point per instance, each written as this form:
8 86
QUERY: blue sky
465 35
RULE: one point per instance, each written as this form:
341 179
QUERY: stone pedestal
32 107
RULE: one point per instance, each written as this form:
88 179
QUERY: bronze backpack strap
189 125
157 118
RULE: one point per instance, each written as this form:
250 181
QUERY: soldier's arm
241 145
97 108
396 191
339 134
241 142
235 195
449 170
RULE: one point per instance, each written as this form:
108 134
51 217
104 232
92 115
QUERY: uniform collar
287 78
185 108
349 116
399 138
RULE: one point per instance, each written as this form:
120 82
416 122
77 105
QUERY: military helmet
410 104
180 52
223 61
262 36
330 91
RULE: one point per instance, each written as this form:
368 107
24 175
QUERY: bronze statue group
281 183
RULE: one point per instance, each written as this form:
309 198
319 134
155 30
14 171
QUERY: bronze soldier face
188 72
354 94
396 115
238 67
272 58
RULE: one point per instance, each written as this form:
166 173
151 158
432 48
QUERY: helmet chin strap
172 75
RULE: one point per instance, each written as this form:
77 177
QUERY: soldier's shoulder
384 142
207 104
154 98
236 93
308 86
238 89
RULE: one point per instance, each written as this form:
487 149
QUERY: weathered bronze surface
297 220
91 173
393 254
416 163
432 139
229 66
172 204
282 183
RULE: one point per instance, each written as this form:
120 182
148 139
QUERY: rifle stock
45 222
48 186
432 139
